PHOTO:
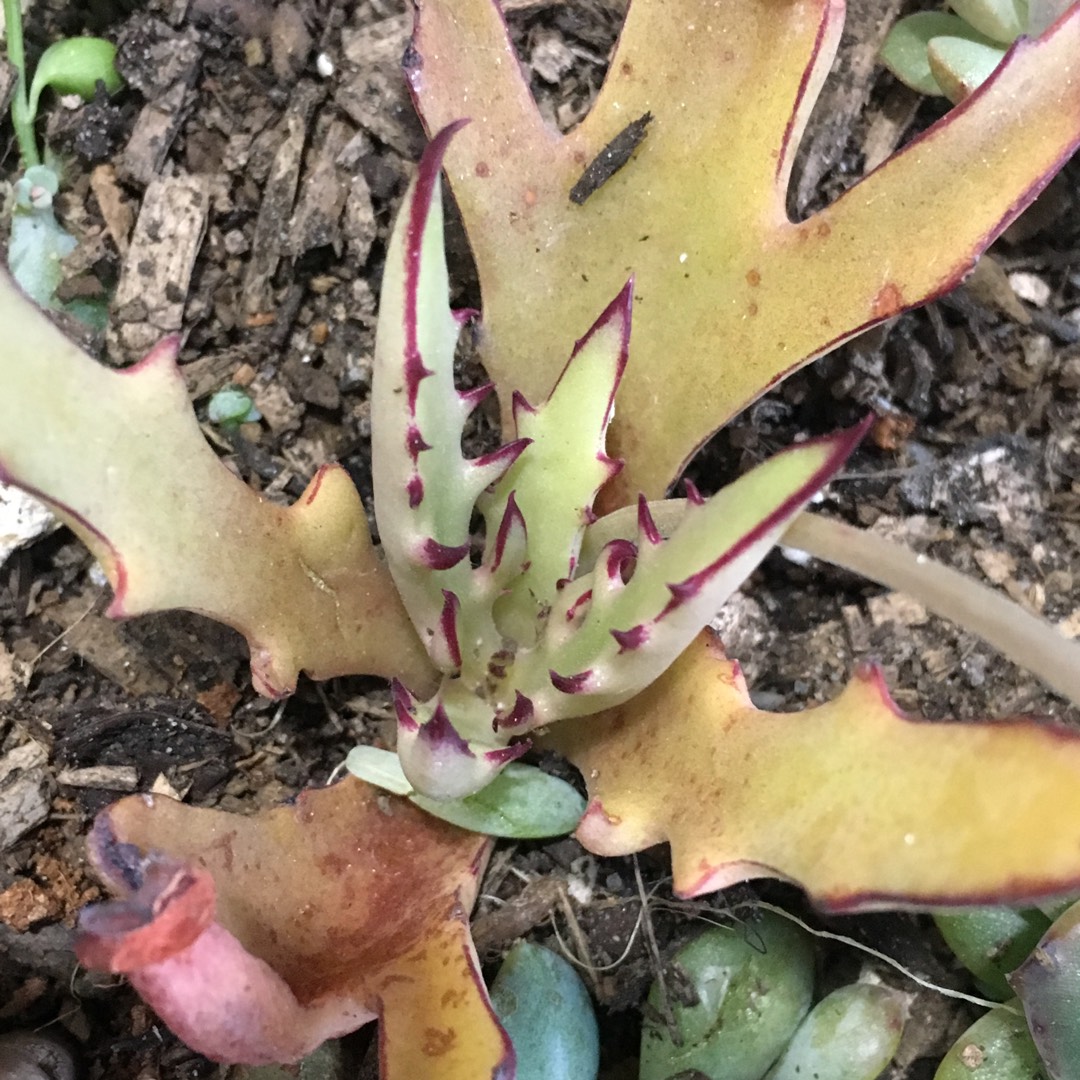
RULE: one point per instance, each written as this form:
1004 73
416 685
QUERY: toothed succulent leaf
522 636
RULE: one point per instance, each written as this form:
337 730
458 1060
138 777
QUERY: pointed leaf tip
571 684
436 556
647 529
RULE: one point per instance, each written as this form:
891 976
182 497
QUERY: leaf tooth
647 530
520 407
503 755
693 496
634 638
617 560
404 705
415 442
474 397
482 472
580 605
445 649
520 715
440 736
511 538
415 490
415 373
572 684
432 555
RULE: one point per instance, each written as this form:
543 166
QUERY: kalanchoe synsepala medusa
523 638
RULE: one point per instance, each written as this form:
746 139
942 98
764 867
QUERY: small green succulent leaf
850 1035
522 802
753 984
38 242
1000 20
425 489
544 1007
556 480
991 942
904 51
998 1046
960 66
230 407
76 66
1048 984
379 767
617 630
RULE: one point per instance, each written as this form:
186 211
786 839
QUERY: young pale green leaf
1002 20
556 479
997 1046
634 629
991 942
1048 984
851 1035
544 1007
522 802
753 985
904 49
960 66
230 407
38 241
76 66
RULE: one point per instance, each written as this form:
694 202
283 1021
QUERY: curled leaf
76 66
255 938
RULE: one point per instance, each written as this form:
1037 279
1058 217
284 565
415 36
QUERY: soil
273 266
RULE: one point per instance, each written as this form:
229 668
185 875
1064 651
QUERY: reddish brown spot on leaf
823 229
483 169
753 278
530 197
437 1043
888 301
752 309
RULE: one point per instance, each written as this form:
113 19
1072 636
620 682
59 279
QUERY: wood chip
895 608
376 97
105 777
323 193
115 209
154 281
25 790
269 242
102 644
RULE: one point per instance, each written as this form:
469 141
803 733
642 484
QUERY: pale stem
1015 632
21 119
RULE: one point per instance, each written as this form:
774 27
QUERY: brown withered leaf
256 938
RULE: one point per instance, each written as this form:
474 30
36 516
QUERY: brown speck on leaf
437 1043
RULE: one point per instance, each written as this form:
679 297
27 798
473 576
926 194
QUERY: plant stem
21 119
1015 632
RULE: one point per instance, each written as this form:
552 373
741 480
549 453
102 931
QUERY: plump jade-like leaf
991 942
904 51
730 295
75 66
1002 20
522 802
742 793
850 1035
544 1007
961 66
120 457
997 1046
753 985
256 938
1048 984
